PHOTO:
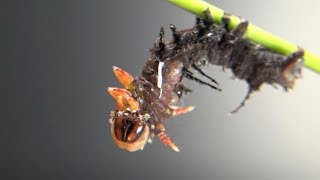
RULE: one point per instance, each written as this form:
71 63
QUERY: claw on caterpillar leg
124 77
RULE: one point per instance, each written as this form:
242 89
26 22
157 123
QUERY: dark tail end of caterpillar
289 68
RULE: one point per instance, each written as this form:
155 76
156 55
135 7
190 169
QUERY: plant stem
253 33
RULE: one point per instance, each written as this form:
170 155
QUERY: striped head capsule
129 130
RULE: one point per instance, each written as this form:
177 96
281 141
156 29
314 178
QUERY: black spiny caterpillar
147 100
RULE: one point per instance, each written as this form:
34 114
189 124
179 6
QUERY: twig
253 33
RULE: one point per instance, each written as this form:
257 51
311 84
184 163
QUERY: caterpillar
148 100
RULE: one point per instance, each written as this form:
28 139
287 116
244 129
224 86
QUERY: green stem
253 33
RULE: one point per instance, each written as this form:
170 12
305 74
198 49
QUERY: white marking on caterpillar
159 82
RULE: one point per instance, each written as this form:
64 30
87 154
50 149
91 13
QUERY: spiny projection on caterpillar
147 101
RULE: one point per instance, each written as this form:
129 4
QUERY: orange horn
124 77
123 98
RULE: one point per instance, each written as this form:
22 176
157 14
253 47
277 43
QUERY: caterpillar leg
166 140
200 27
241 29
208 17
225 21
180 110
203 24
199 22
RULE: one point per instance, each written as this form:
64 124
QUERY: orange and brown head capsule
129 130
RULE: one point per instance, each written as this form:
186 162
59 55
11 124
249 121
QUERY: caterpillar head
128 128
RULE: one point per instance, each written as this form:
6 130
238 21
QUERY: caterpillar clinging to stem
148 100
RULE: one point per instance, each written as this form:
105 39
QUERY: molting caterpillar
149 99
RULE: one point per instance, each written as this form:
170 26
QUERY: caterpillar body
148 100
